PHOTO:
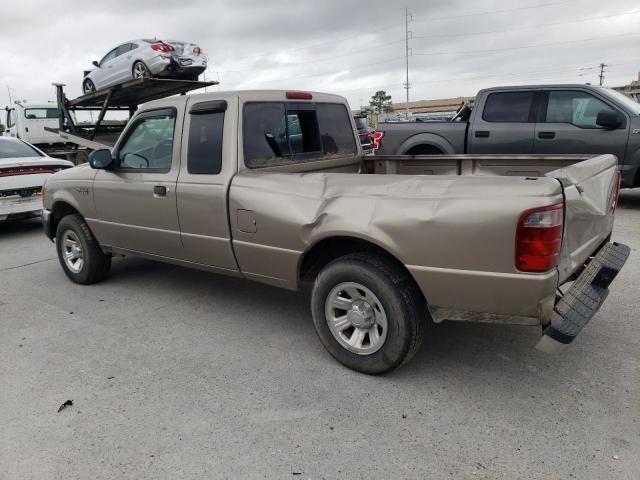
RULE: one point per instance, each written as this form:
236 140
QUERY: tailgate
589 190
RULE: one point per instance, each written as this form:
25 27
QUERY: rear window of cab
281 133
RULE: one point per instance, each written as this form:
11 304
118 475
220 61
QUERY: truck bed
478 165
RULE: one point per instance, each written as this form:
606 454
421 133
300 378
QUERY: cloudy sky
341 46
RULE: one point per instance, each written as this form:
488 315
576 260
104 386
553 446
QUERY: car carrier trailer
84 137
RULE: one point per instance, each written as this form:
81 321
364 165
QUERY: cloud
347 47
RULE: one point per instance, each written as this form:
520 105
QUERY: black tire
400 298
424 150
96 264
81 157
88 86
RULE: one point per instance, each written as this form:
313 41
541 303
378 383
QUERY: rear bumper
584 298
179 66
16 206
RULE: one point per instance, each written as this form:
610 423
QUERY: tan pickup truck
272 186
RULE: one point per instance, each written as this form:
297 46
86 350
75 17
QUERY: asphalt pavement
180 374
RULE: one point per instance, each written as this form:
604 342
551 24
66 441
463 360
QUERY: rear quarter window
280 133
336 133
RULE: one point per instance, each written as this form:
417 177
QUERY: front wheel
88 86
79 253
368 313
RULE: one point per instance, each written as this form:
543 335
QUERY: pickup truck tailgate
590 189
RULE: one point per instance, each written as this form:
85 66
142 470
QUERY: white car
146 58
23 171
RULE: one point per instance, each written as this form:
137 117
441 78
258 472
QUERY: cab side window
149 143
577 108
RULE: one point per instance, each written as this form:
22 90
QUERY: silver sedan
146 58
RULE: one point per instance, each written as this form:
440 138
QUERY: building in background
632 89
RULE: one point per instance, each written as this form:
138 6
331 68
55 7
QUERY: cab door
504 123
136 201
568 124
209 161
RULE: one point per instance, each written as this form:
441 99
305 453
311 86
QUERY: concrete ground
182 374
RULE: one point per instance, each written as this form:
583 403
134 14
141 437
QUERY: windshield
627 102
17 149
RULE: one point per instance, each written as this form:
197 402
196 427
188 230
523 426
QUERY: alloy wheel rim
72 252
356 318
139 71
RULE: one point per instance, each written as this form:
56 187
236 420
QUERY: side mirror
101 159
95 63
608 119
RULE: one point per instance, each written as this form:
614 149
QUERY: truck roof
35 105
260 95
543 86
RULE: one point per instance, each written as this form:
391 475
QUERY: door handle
482 133
160 191
547 135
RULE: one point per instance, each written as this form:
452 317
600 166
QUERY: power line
469 52
316 45
316 60
318 74
491 12
388 27
467 34
480 77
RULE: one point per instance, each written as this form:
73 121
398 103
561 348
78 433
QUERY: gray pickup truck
543 119
273 186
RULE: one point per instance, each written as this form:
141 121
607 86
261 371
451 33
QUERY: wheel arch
330 248
427 140
59 210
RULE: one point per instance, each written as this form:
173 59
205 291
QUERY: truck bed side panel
455 234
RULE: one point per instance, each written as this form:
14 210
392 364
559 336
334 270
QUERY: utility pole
407 33
602 67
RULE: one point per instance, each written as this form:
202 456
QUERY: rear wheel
140 70
368 313
88 86
79 253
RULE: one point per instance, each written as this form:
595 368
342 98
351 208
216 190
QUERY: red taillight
377 139
539 238
616 193
197 51
299 96
162 47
